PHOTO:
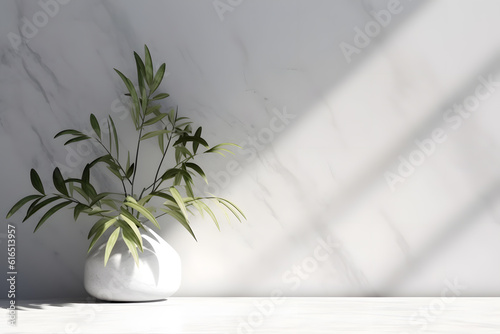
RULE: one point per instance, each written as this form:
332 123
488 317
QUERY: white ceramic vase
158 275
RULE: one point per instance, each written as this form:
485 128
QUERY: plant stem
119 165
163 214
74 200
142 192
186 160
164 153
117 162
161 162
158 179
138 146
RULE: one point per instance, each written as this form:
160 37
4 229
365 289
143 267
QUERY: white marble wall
320 132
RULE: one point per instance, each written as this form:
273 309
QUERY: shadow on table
25 305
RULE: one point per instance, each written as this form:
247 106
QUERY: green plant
126 212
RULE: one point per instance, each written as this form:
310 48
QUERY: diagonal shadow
43 304
368 182
457 226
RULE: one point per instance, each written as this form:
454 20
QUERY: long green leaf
193 139
109 202
187 128
144 100
144 212
95 125
197 135
102 224
36 182
187 177
72 180
233 205
70 186
99 197
90 190
154 134
189 188
133 95
105 158
198 170
155 120
234 212
161 143
222 209
148 64
172 172
58 180
110 137
20 204
180 202
77 139
220 149
110 244
33 209
130 171
78 209
174 207
131 199
68 132
126 213
141 72
86 174
171 116
116 172
210 213
134 228
86 185
181 219
96 210
183 151
177 179
115 135
164 196
50 213
158 78
145 200
81 192
128 161
198 207
129 241
153 110
98 230
160 96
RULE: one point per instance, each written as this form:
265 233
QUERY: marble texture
261 315
319 135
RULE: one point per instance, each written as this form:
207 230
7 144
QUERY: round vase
158 275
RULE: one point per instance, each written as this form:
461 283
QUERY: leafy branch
125 213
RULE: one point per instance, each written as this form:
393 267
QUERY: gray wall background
382 181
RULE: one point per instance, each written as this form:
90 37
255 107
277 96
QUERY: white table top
260 315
